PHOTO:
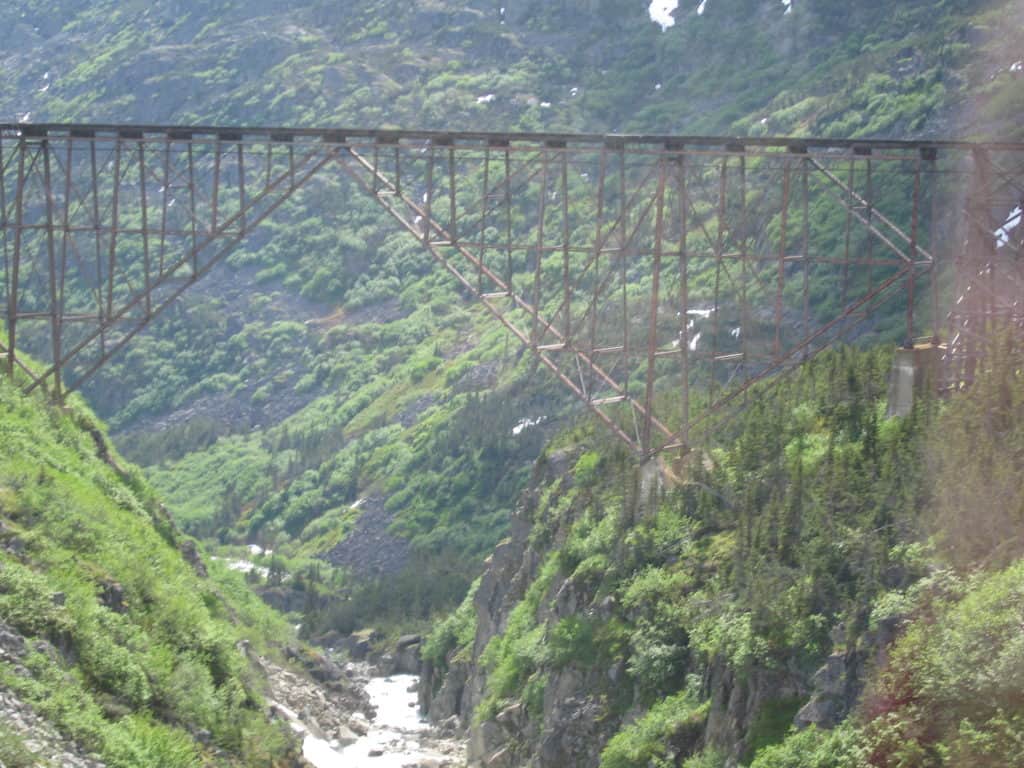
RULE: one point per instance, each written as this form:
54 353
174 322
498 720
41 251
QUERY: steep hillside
827 567
114 632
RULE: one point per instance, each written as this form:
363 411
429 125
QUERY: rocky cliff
770 606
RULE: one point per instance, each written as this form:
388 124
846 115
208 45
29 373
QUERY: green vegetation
818 521
131 651
672 724
14 753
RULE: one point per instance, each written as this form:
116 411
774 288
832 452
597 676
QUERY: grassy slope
136 652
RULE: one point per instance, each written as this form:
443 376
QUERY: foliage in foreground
131 653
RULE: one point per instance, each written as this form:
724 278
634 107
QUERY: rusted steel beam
710 220
347 135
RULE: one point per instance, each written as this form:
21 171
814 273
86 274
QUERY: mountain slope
111 628
816 570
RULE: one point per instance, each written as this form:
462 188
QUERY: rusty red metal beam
629 266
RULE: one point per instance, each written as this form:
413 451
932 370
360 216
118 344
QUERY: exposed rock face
839 682
370 549
736 700
574 723
406 659
191 554
328 706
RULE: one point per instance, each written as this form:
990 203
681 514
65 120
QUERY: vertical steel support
869 197
623 239
847 231
4 221
931 160
96 223
19 222
241 188
114 228
781 276
598 247
65 222
912 271
745 327
428 197
453 226
805 256
541 213
270 166
56 311
566 280
484 203
507 186
193 218
165 196
146 266
684 300
652 327
723 181
215 202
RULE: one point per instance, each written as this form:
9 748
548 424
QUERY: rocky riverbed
362 721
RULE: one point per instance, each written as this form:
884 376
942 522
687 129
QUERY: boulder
358 724
345 736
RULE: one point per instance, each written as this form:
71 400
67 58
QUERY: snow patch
660 12
1017 66
525 424
1012 222
244 566
694 341
487 98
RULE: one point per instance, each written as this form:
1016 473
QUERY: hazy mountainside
872 68
327 362
856 575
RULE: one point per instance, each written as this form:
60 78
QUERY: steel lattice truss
658 278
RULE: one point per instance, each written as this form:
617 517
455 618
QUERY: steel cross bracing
658 278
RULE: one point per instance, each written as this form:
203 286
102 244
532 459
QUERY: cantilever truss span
658 278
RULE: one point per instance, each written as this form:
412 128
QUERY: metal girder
658 278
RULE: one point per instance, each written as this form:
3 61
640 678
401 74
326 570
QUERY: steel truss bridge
658 278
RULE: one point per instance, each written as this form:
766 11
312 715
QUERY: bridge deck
490 138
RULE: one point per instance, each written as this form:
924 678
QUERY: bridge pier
914 371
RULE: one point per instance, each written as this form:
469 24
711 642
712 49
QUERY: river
397 737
